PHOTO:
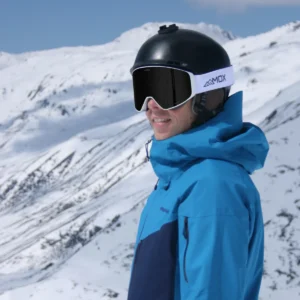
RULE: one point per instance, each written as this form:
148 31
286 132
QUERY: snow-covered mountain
74 175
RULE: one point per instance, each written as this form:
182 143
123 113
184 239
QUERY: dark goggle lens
169 87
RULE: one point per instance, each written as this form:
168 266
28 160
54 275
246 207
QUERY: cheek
193 117
183 117
188 120
180 119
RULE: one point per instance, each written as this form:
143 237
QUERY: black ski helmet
187 50
183 49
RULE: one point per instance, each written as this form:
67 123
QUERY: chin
160 136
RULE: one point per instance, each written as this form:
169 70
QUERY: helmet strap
204 114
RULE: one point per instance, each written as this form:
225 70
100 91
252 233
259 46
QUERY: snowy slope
279 184
68 136
73 173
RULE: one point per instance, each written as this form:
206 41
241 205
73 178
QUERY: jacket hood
225 137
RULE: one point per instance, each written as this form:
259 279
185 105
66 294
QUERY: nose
152 104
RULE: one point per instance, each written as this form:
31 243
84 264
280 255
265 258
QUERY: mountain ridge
74 174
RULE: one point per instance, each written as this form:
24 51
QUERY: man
201 233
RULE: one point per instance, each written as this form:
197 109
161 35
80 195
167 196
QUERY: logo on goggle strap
218 79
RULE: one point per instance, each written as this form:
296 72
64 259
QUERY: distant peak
136 36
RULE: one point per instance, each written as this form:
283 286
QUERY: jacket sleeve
213 242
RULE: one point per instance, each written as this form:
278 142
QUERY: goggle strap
214 80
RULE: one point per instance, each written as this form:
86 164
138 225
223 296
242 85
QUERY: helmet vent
165 29
172 62
176 63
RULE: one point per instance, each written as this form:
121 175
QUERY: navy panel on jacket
153 272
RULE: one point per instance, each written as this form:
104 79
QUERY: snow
74 175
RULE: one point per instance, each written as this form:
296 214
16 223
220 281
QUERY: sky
42 24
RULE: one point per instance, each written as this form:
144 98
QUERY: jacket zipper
186 236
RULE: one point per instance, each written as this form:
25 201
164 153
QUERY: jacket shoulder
216 187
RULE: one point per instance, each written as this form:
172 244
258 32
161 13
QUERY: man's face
167 123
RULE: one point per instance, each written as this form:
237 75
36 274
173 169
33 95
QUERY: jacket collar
223 137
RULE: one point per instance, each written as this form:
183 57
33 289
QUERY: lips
160 120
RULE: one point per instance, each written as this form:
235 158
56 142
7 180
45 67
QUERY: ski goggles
171 87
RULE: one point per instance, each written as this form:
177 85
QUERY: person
201 232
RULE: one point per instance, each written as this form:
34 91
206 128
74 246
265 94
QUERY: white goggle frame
200 83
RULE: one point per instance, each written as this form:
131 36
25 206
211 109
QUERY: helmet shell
184 49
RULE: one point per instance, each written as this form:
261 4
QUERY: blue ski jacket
201 232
